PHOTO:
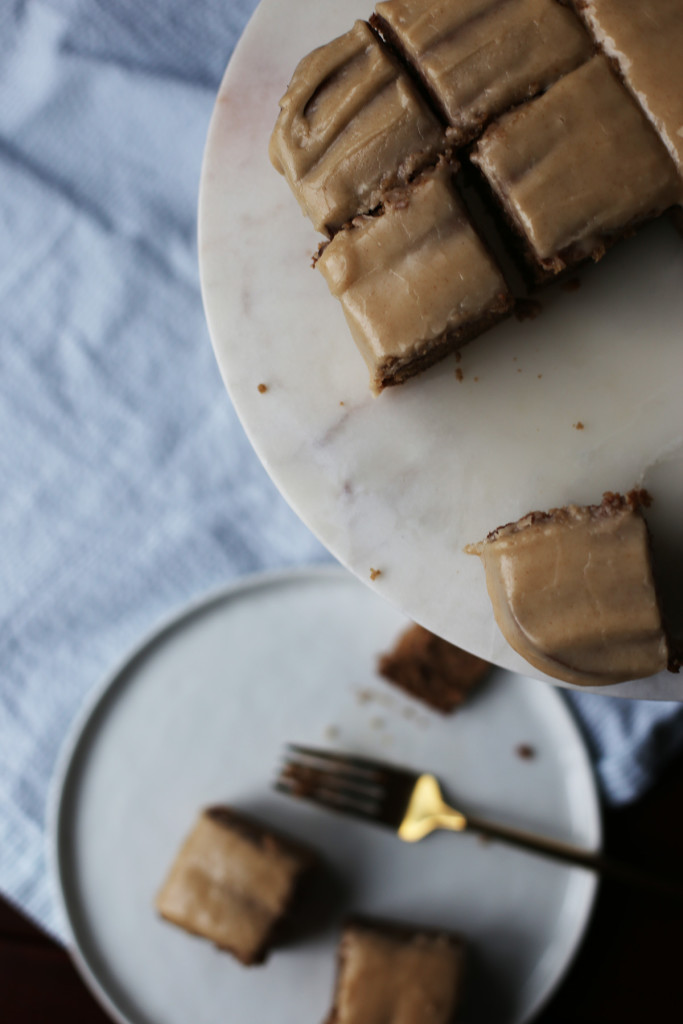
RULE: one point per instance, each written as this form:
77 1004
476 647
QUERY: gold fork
412 805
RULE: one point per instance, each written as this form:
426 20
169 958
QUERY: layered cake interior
233 882
389 973
573 591
415 281
576 168
477 58
351 124
431 669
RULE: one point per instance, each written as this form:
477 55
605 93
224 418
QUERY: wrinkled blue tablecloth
128 485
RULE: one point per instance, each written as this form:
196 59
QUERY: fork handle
566 853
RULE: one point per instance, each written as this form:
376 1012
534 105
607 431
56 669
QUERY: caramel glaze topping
480 57
577 165
645 38
412 273
572 592
351 124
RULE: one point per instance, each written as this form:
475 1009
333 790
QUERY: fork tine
342 762
305 773
354 785
333 800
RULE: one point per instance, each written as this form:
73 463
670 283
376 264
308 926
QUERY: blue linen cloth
128 486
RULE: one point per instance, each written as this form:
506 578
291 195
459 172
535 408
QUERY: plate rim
61 787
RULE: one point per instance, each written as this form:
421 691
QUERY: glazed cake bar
415 281
233 882
575 169
645 39
351 125
477 58
395 974
573 592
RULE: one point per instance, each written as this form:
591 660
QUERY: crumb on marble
332 732
374 573
364 696
476 379
459 375
525 751
578 425
458 355
341 403
539 375
519 369
262 388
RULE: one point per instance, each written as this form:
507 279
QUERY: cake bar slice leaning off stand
576 169
415 280
573 591
351 124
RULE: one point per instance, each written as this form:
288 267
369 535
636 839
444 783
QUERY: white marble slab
401 483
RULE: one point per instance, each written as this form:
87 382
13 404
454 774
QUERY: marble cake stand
585 397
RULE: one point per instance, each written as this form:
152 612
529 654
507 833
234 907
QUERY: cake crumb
341 403
458 355
459 375
519 369
364 696
539 375
476 378
525 751
527 309
578 425
332 732
262 388
374 573
572 285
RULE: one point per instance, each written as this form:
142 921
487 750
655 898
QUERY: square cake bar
477 58
391 972
233 882
351 124
577 168
645 39
415 280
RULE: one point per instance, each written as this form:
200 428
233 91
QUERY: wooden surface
628 971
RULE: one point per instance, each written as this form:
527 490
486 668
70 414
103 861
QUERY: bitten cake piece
415 281
393 974
431 669
645 38
478 58
573 592
233 882
351 124
576 168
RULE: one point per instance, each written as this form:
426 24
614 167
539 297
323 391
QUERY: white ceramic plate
200 713
404 481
